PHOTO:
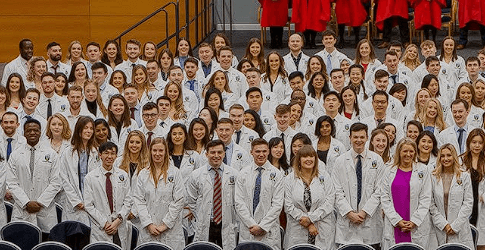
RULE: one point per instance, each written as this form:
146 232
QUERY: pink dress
401 196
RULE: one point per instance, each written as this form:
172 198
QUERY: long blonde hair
31 72
417 107
439 120
305 151
412 64
142 160
456 164
153 171
400 145
179 103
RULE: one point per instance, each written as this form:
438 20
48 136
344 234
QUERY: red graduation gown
275 13
471 11
427 12
350 12
310 14
391 8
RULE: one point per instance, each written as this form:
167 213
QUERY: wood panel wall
85 20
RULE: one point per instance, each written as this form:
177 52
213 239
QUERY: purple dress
401 196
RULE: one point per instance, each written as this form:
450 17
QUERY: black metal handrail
208 5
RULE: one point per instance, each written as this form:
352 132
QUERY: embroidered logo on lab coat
444 71
272 176
97 157
457 65
458 181
374 164
186 98
232 180
347 126
310 121
170 179
239 156
251 138
336 149
191 160
476 117
420 175
266 121
63 107
268 98
47 158
122 177
322 179
238 78
311 104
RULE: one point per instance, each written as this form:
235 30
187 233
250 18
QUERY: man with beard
75 97
49 102
54 56
21 63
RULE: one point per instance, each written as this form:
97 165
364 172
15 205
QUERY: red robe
275 13
391 8
350 12
471 11
311 14
427 12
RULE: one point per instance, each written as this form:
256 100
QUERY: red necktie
109 191
132 113
149 139
217 198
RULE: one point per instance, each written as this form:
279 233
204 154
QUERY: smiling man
20 64
282 127
133 50
49 102
235 155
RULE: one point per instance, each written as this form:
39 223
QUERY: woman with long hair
134 156
400 92
277 155
318 86
479 86
244 65
356 81
178 111
78 74
431 83
315 64
365 56
422 96
119 120
379 143
474 162
92 100
213 100
406 198
432 117
252 120
220 81
410 57
391 131
275 79
413 128
452 201
306 191
210 118
118 80
198 135
37 67
454 62
111 54
350 104
255 54
298 121
220 40
75 163
61 87
297 142
183 51
147 92
159 198
149 51
15 90
74 53
102 132
427 146
328 148
165 59
58 133
466 92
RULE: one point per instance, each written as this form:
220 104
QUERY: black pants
403 29
215 233
276 37
464 35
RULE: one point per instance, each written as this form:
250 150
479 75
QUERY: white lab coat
481 213
421 196
120 139
161 204
334 151
449 136
270 204
58 103
200 189
460 203
290 65
246 138
72 196
320 214
42 186
96 203
17 65
345 181
281 87
3 188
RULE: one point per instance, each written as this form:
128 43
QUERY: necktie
257 189
55 68
394 78
149 138
109 191
238 136
49 108
379 121
28 117
32 161
482 74
9 147
460 139
225 156
192 85
133 65
162 124
329 64
132 113
217 198
283 137
358 171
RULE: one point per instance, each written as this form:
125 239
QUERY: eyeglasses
150 115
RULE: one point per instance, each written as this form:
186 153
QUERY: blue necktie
192 85
394 79
460 139
257 190
9 147
358 171
28 117
329 64
238 136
